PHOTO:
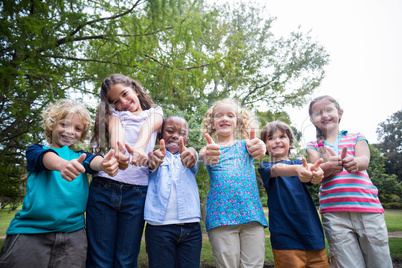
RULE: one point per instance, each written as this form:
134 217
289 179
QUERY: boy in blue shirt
49 231
297 236
172 206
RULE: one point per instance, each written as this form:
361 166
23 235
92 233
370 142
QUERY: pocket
98 183
375 228
334 226
7 249
141 190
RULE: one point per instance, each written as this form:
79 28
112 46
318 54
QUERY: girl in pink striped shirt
352 215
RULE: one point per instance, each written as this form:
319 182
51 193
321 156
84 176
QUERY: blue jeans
174 245
115 223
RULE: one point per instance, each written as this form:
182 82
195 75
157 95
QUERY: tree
185 53
390 143
389 188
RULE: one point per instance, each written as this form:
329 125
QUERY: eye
182 133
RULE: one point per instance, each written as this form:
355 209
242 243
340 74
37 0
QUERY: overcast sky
364 40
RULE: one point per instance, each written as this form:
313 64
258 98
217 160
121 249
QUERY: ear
340 114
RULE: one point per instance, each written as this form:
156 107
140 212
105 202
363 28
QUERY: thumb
317 164
108 156
120 147
129 149
344 152
82 158
252 133
182 148
162 146
305 165
331 152
208 138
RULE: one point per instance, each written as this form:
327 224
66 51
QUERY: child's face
325 115
173 129
67 131
278 145
225 119
124 99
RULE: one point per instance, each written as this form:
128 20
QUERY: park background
188 54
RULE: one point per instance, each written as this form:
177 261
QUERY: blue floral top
233 198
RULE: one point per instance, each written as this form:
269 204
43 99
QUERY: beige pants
236 246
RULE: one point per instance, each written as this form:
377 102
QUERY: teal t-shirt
51 203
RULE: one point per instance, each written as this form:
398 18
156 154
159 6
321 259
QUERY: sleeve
265 172
361 137
88 160
34 155
312 145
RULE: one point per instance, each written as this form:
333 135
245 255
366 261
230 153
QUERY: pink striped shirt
345 191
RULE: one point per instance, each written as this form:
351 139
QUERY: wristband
320 144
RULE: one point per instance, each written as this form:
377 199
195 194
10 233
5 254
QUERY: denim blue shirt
161 181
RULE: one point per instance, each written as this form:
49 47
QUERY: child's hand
348 161
188 155
121 156
318 173
156 157
334 162
255 146
73 168
139 159
110 164
212 151
303 172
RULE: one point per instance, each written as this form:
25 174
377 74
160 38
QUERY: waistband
110 182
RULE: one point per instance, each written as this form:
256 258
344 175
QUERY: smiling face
325 115
124 98
67 131
278 145
173 128
225 119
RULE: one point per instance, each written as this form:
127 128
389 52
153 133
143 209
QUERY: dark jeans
175 245
115 223
57 250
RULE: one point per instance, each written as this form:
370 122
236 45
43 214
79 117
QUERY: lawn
393 218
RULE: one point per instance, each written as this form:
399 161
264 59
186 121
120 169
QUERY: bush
392 205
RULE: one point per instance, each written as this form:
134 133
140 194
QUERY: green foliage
390 145
388 185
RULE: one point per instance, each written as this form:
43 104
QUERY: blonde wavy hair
60 110
245 120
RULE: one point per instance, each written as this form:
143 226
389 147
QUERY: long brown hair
101 136
319 133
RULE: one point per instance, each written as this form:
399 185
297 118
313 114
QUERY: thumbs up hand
71 169
210 154
110 164
188 155
255 146
318 173
348 161
334 162
139 159
121 157
156 157
303 172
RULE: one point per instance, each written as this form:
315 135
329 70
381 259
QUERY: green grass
393 219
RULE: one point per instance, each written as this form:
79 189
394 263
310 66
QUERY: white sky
364 40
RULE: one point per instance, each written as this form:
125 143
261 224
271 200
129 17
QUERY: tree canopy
185 53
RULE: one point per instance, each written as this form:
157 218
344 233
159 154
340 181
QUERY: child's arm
361 160
331 167
210 154
305 172
153 123
156 157
69 170
255 146
188 155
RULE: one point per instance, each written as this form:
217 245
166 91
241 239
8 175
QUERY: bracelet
320 144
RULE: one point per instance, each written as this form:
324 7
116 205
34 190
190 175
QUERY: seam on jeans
8 252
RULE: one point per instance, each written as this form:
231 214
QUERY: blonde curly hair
59 110
245 120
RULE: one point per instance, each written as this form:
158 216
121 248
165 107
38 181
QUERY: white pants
236 246
357 239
